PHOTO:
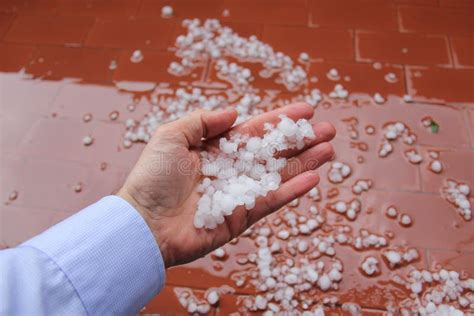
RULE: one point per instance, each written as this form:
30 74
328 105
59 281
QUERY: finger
310 159
287 192
201 124
254 126
324 132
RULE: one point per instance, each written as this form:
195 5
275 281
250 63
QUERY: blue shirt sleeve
103 260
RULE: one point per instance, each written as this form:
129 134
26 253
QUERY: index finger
255 126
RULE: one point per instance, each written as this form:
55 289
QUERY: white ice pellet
370 266
391 212
167 11
393 257
212 297
304 57
324 282
413 156
378 98
436 166
391 77
333 74
137 56
458 195
407 98
338 172
219 253
405 220
87 140
237 181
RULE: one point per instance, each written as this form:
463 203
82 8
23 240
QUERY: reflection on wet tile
401 48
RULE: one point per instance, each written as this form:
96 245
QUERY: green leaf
434 127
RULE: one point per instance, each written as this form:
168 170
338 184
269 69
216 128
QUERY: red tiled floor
153 68
50 184
29 6
43 140
84 64
459 261
100 8
463 51
438 84
359 14
402 48
436 20
457 3
167 304
284 12
183 9
132 33
5 22
22 96
14 128
470 124
417 2
73 101
46 30
363 78
14 57
454 167
318 43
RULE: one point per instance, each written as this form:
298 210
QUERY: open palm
162 185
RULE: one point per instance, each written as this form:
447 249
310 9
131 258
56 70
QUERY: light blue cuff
109 254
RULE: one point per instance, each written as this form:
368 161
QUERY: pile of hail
245 168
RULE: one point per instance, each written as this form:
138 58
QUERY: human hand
162 185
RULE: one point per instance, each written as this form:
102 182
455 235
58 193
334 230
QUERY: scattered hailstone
405 220
436 166
313 97
167 11
378 98
137 56
245 169
113 65
333 74
391 77
391 211
304 57
338 172
407 98
212 297
219 253
396 259
458 195
350 209
370 266
361 186
339 92
314 194
413 156
87 140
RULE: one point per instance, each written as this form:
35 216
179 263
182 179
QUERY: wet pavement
66 73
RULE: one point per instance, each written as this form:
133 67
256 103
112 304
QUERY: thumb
203 124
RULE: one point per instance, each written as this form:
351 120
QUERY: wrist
153 222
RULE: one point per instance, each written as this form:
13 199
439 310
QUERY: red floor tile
402 48
459 261
99 8
359 14
438 84
13 129
46 30
43 140
22 96
43 7
5 22
284 12
318 43
50 184
132 33
73 101
14 57
470 124
417 2
463 51
363 78
183 9
167 303
153 68
455 166
83 64
436 20
457 3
